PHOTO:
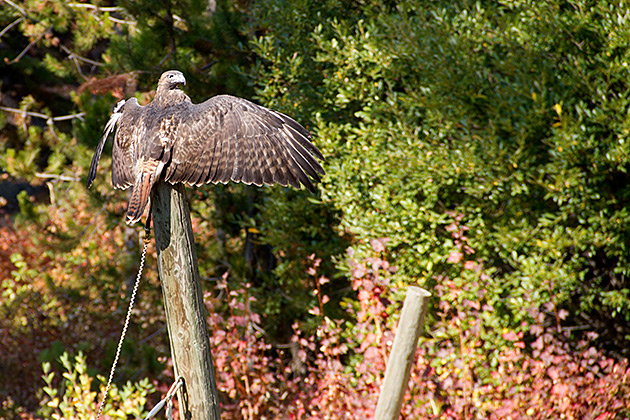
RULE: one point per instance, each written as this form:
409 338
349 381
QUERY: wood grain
403 354
183 300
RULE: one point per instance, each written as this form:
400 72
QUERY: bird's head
171 80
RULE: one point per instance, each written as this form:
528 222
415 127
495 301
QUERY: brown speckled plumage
222 139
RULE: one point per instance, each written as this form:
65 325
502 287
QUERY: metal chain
124 331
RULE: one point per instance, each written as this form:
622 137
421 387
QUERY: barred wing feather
231 139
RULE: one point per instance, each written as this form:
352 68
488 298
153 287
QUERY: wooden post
403 354
183 301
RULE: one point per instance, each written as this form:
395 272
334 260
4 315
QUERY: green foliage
73 398
487 141
511 118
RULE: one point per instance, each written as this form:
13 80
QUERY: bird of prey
222 139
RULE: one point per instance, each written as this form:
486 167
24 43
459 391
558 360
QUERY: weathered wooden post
183 301
403 354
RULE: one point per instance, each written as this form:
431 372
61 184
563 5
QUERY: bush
73 398
508 118
486 140
464 368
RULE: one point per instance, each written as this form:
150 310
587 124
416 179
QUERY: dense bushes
510 117
487 141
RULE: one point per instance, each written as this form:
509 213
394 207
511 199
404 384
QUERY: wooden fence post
402 355
183 301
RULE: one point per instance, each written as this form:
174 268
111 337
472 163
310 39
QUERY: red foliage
336 371
59 293
466 365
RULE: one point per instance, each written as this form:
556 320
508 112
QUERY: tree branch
15 6
59 177
80 115
11 25
95 7
104 9
28 47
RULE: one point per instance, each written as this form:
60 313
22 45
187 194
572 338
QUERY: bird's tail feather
140 196
113 120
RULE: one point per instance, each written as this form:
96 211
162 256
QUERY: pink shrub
336 371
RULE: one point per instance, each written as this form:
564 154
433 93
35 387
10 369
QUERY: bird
225 138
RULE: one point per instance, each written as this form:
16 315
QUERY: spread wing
231 139
130 130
